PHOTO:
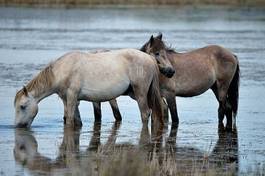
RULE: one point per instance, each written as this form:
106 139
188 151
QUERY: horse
95 77
212 67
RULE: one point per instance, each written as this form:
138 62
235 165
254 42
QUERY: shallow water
31 38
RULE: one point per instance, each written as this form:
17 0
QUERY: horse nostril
22 125
173 71
170 72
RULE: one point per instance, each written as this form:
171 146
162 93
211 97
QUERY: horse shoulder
138 57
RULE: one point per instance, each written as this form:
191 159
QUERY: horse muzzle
168 72
22 125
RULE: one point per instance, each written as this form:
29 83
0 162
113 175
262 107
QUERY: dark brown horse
212 67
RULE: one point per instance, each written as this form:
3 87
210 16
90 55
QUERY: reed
129 161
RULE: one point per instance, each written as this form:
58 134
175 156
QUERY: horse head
156 48
26 108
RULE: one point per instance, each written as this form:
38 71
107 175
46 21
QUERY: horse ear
151 40
25 90
160 35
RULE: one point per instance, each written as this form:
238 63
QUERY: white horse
95 77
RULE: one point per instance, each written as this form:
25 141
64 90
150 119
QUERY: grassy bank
130 2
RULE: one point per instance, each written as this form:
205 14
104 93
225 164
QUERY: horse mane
143 48
168 48
41 82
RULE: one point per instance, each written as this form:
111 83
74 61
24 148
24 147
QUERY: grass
130 161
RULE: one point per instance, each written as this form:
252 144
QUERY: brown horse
212 67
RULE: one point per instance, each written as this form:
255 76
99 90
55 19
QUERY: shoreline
128 4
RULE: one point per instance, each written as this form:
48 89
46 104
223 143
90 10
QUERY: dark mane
143 48
168 48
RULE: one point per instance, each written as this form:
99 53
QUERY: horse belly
104 89
194 87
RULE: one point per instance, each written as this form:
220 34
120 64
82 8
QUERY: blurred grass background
131 2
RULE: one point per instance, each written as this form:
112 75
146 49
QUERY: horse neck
43 84
41 92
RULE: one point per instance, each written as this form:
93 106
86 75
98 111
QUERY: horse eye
22 107
22 147
157 54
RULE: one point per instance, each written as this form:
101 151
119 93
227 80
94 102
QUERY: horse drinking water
94 77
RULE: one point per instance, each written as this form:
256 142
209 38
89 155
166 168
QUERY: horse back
103 75
198 70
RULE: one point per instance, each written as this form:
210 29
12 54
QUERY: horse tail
154 99
233 91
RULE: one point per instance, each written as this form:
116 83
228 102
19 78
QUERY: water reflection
26 153
225 152
70 159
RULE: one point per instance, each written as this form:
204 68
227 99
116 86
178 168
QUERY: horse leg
141 98
65 111
229 114
221 109
224 105
97 111
144 140
77 115
144 109
165 110
115 109
73 117
171 101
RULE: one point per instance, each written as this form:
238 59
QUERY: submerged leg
97 111
115 109
77 113
144 140
171 101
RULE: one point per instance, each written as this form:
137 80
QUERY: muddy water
31 38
